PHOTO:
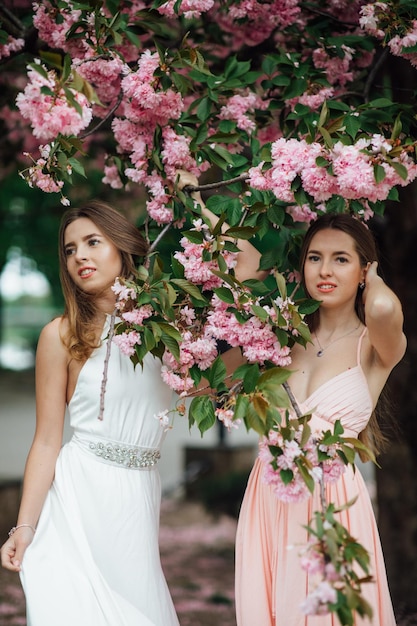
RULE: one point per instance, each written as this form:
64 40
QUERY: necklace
322 350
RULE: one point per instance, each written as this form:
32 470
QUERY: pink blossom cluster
105 76
177 382
50 114
352 169
127 341
226 417
257 20
188 8
238 107
11 45
338 69
54 32
313 562
291 454
163 418
137 316
124 294
317 602
369 18
37 177
146 106
256 338
198 271
301 213
112 177
200 350
375 20
313 98
398 45
42 173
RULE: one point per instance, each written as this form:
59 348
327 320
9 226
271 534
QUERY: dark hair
80 309
365 246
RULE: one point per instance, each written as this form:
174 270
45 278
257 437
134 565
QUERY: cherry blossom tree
277 107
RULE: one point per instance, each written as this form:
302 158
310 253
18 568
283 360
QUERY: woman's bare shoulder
50 339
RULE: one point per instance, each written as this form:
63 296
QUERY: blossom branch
374 71
9 21
106 365
159 237
292 399
221 183
312 9
101 122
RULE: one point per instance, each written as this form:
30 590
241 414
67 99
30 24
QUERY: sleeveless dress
94 560
270 584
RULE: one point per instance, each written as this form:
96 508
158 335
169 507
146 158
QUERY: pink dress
270 584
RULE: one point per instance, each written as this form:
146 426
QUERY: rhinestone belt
123 455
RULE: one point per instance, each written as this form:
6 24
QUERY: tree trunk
396 481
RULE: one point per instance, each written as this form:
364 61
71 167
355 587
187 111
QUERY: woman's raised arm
384 319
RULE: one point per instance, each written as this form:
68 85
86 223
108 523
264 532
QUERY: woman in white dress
94 557
86 538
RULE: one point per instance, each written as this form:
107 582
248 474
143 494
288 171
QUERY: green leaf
241 407
286 476
77 166
400 169
189 288
203 109
306 307
306 476
275 376
241 232
352 125
224 294
322 162
397 128
379 173
281 284
249 375
172 345
202 413
380 103
276 396
257 287
217 373
254 421
259 312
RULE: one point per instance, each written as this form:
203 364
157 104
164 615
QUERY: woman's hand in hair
383 318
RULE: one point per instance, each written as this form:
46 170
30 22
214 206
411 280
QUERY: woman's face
332 268
93 260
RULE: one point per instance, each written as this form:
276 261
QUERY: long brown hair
365 246
80 310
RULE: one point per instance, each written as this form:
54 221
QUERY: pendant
320 353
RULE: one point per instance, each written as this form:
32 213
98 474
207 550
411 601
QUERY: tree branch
221 183
101 122
11 23
372 74
292 399
159 237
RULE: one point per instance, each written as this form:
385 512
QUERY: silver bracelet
13 530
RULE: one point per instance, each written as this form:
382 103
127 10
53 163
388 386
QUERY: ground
197 552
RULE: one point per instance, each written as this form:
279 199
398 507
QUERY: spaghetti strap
358 352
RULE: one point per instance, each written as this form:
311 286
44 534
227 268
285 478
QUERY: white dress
95 559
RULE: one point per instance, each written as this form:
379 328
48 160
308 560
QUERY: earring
362 285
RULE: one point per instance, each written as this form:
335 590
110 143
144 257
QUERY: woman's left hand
370 276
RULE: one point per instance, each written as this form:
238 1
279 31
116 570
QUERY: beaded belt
121 454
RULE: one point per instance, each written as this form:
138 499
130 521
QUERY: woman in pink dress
357 339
